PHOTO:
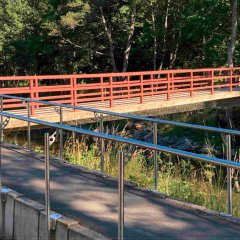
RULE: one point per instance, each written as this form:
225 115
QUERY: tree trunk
232 43
173 55
154 38
168 2
231 48
130 37
110 41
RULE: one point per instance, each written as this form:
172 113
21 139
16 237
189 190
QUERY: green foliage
53 36
180 178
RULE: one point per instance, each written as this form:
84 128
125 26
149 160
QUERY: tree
74 36
232 42
13 18
122 21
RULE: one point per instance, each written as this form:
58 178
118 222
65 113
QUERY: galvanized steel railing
157 148
154 121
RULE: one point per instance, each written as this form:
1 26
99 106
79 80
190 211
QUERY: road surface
92 200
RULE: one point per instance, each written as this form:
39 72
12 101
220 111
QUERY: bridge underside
153 106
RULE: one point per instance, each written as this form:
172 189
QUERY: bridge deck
93 201
153 105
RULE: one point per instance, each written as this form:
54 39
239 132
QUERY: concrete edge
129 185
71 224
12 193
84 233
30 203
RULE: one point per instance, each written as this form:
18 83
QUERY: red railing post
172 84
212 82
128 83
73 91
191 84
32 104
102 89
152 76
111 91
231 80
36 82
168 86
141 89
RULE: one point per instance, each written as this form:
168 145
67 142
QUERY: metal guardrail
128 116
157 148
154 121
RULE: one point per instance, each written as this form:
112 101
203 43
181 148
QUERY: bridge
140 93
107 206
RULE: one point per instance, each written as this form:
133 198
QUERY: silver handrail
130 116
159 148
221 162
154 121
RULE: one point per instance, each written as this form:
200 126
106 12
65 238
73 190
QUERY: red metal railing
77 89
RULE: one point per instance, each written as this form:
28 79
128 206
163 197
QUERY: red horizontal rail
75 89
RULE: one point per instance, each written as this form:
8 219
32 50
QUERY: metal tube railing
130 116
61 133
47 179
229 173
120 195
1 140
29 125
158 148
102 143
155 136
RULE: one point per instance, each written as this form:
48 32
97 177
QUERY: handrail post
129 89
229 173
231 80
102 143
155 140
29 124
168 86
72 91
141 89
191 84
47 181
172 84
152 84
73 82
61 134
75 91
111 91
36 92
32 97
102 89
212 82
120 195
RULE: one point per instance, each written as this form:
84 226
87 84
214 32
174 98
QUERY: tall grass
183 179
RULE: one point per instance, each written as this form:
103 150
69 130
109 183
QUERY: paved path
93 201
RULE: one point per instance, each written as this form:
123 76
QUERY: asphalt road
93 201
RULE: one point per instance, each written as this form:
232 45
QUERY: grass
179 178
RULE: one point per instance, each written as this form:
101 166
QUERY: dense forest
83 36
